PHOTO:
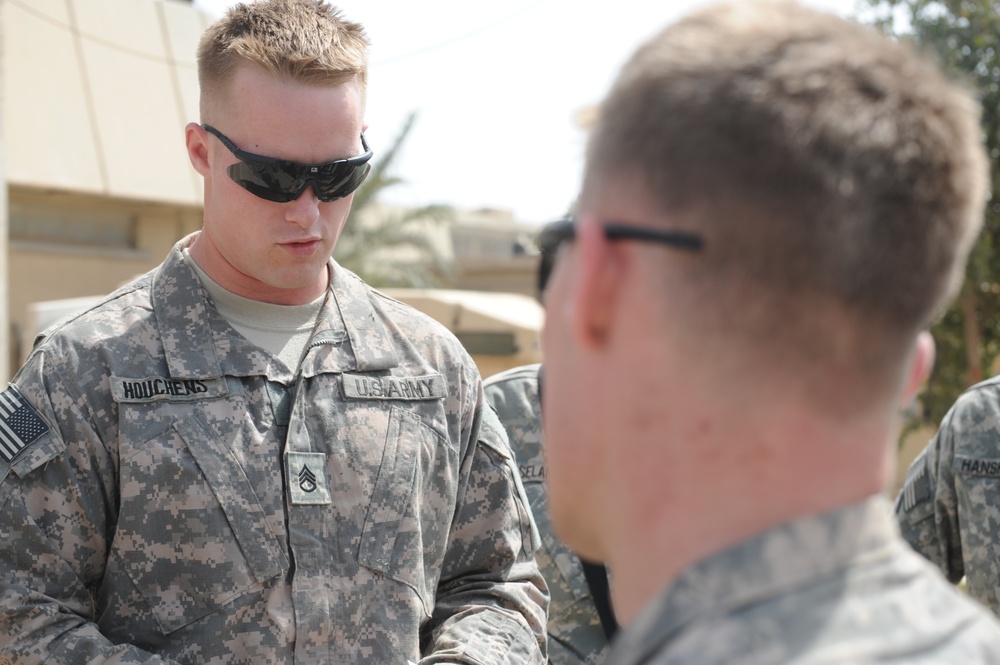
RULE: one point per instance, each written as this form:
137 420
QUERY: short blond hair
299 40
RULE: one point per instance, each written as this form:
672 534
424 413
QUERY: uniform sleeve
56 507
492 600
927 507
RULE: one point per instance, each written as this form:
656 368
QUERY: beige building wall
493 252
96 94
499 330
516 274
109 242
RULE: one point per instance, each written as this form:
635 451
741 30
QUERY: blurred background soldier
949 506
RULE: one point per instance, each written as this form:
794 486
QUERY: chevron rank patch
20 424
306 478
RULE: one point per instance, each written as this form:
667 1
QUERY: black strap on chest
597 580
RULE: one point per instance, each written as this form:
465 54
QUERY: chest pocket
409 517
191 532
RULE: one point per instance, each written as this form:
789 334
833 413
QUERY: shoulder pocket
26 440
45 448
493 438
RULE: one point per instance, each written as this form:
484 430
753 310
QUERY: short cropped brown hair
826 165
299 40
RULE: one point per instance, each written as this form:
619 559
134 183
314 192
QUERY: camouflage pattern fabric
840 587
575 632
949 507
169 488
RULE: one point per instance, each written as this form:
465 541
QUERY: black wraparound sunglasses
556 233
282 180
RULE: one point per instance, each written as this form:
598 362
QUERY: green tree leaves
964 36
390 246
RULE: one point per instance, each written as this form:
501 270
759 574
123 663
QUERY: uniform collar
199 343
349 313
788 557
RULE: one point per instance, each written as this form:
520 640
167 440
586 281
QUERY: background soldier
949 506
191 472
776 202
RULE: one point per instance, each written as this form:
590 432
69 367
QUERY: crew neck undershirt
282 330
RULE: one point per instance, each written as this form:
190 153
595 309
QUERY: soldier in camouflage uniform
948 506
248 455
576 634
775 204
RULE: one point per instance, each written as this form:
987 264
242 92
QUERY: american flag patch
918 487
20 424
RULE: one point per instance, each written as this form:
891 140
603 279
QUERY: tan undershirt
282 330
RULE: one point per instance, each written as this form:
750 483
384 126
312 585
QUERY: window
71 228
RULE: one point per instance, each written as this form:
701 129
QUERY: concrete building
96 94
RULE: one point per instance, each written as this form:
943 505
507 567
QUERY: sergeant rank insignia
306 478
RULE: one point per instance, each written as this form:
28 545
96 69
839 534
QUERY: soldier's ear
196 139
921 363
599 285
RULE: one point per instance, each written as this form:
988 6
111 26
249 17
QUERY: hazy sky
497 87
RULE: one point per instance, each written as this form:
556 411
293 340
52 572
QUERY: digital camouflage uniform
574 627
178 491
949 507
841 587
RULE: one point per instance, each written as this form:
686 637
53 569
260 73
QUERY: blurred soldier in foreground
776 202
248 455
580 620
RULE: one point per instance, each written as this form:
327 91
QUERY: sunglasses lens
275 182
266 181
340 182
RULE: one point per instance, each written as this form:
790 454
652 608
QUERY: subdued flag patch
20 424
918 487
